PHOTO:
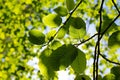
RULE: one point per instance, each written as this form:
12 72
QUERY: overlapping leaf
114 40
79 64
52 20
77 27
57 59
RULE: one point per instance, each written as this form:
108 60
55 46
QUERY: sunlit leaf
77 28
70 4
55 44
62 11
61 33
36 37
50 34
52 20
44 65
79 64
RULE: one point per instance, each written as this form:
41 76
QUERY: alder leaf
52 20
114 40
62 11
116 71
79 64
77 28
70 4
36 37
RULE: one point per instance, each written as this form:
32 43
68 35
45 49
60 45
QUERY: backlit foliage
65 41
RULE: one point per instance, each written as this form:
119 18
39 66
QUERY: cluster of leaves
53 31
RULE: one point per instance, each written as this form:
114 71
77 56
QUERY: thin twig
109 60
116 6
86 40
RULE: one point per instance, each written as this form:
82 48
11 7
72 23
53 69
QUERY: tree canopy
81 36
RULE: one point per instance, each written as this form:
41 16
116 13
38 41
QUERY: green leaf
52 20
82 77
62 11
114 40
109 77
59 58
44 65
70 4
70 53
61 33
79 64
77 28
55 44
36 37
50 34
116 71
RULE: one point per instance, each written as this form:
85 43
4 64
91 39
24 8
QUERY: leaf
55 44
62 11
50 34
61 33
70 53
116 71
70 4
82 77
36 37
114 40
109 77
79 64
52 20
44 65
77 28
59 58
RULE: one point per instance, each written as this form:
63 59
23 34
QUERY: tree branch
86 40
116 6
109 60
97 47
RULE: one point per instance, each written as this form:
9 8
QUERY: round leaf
79 64
62 11
114 40
52 20
116 71
70 4
77 28
36 37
